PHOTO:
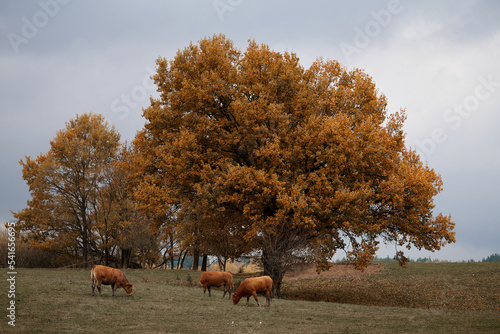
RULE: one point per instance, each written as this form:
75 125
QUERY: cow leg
268 299
113 288
255 296
209 291
248 300
99 288
204 290
225 290
93 287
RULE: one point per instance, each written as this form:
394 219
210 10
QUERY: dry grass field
423 298
450 286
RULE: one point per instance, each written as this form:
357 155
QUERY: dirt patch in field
338 270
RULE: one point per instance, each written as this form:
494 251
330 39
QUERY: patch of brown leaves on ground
338 270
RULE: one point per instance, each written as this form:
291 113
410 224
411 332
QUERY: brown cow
216 278
253 285
109 276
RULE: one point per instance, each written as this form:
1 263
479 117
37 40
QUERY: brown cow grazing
253 285
216 278
109 276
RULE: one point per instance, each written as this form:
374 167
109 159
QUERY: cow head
236 298
128 288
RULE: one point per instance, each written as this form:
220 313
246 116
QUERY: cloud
420 28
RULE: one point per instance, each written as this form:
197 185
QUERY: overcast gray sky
438 59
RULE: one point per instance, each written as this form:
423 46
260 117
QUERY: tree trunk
183 258
204 263
106 240
85 242
221 262
106 257
196 259
180 260
171 253
126 254
172 261
277 253
274 268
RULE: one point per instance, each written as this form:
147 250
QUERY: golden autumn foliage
250 146
79 204
63 183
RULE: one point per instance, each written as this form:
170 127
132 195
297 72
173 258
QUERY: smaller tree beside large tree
66 186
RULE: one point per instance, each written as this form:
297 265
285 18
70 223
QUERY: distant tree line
492 258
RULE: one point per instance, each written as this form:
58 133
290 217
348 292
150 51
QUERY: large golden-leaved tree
69 211
282 160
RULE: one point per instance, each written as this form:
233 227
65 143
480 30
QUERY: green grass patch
60 301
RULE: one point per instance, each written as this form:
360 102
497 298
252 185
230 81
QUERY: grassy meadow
452 286
419 299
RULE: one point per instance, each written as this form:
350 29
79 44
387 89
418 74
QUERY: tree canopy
243 152
252 148
79 206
